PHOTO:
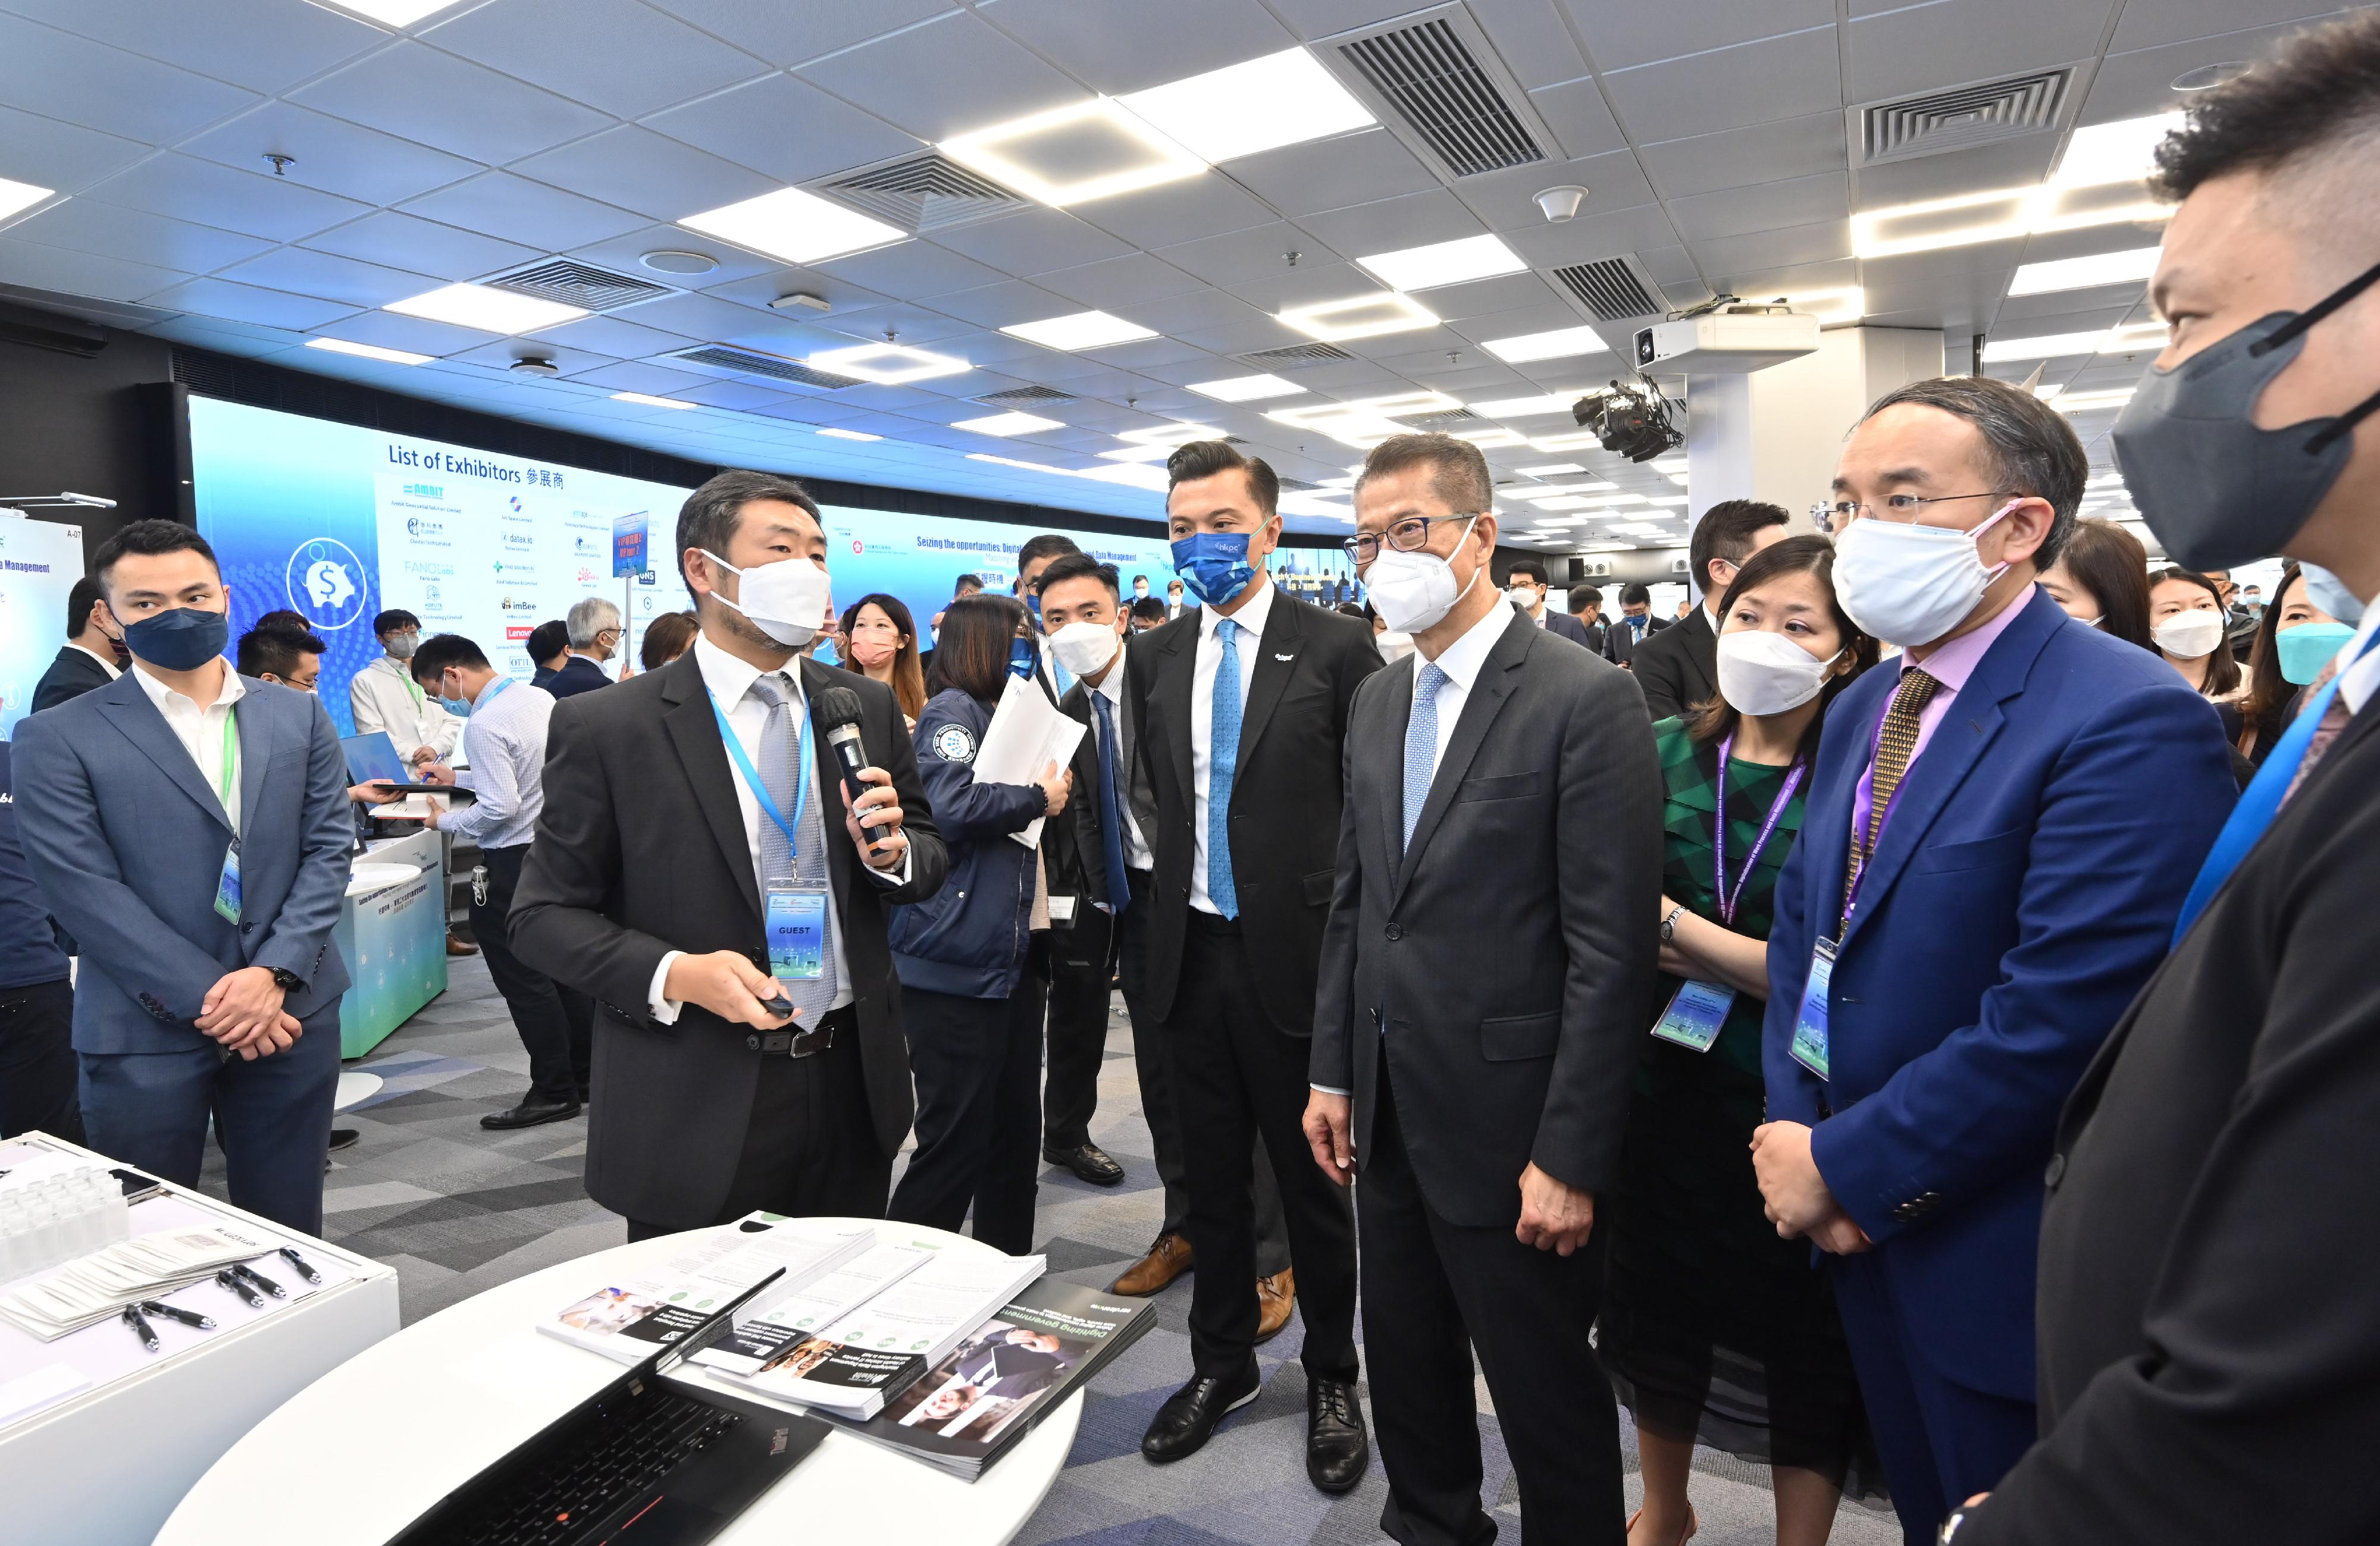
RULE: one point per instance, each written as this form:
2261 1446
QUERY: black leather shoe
343 1138
1189 1418
1337 1448
528 1113
1087 1161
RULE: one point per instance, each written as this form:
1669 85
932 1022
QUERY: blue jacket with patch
970 937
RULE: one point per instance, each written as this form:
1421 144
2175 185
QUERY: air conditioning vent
1453 419
752 362
1431 79
1593 569
1966 117
578 285
1019 396
1293 354
924 193
1612 289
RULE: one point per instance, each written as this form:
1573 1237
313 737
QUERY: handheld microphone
836 711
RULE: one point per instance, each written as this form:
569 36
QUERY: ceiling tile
265 45
2010 163
1320 18
659 381
531 214
1307 285
1487 297
785 127
416 93
622 254
500 354
245 303
1179 316
1729 88
614 54
1332 173
1948 43
980 78
1118 282
760 289
1175 212
657 177
1579 116
1507 200
1390 225
2166 22
60 75
1795 202
1799 243
1000 306
1741 157
426 247
1249 254
330 154
78 274
273 207
1621 36
48 153
328 276
88 225
2139 82
1138 44
1766 284
1034 242
1672 268
1532 40
414 334
616 336
788 34
710 319
913 323
912 269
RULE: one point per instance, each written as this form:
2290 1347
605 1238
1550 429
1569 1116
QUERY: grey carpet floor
456 1209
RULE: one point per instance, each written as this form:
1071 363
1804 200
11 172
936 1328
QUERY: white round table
363 1451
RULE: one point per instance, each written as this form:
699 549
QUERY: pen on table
260 1280
249 1296
189 1318
304 1269
141 1327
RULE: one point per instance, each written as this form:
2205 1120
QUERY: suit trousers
977 1064
555 1023
1078 1045
1160 1108
37 1061
809 1142
1434 1294
1241 1089
149 1110
1941 1442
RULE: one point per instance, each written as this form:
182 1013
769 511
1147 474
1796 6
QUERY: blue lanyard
752 774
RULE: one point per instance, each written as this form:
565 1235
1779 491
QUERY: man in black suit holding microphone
1242 707
702 870
1503 809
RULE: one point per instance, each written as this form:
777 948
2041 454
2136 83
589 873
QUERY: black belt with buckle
803 1044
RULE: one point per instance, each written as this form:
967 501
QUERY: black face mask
2216 488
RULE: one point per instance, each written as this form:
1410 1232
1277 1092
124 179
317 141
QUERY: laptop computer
372 758
643 1462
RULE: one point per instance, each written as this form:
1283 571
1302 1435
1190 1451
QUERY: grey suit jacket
1504 961
126 840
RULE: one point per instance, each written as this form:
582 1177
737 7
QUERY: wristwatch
1950 1531
290 981
1669 924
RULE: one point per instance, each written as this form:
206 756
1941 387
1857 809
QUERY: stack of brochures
628 1319
92 1288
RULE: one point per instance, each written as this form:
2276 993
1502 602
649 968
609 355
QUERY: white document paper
1025 736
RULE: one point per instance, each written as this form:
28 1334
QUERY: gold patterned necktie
1895 742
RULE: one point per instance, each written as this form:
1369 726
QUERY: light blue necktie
1223 762
1421 745
1066 678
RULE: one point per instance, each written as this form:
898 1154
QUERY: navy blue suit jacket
126 838
2024 888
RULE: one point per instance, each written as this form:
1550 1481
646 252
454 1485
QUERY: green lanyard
420 705
230 761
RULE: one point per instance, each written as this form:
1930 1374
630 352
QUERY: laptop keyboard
621 1451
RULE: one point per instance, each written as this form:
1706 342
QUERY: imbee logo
325 582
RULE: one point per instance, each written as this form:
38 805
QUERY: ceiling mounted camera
1633 422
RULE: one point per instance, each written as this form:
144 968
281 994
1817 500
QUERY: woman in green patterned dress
1713 1329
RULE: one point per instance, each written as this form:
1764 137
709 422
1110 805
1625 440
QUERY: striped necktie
1895 744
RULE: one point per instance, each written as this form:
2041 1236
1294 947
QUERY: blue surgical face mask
1033 605
2329 592
2308 648
1021 658
1214 564
178 639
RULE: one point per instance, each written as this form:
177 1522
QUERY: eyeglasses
1407 536
1833 515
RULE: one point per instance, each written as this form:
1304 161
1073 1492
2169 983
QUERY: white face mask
786 600
1413 592
1393 646
1760 673
2190 634
1909 584
1084 648
1523 597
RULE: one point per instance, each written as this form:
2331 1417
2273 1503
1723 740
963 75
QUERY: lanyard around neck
227 781
752 774
1725 899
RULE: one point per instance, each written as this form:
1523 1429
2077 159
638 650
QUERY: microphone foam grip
835 706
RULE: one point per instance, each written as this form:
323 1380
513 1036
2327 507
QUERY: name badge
227 884
1810 1022
1696 1014
796 933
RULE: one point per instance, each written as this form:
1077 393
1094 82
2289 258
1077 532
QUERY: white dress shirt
1250 619
730 680
105 663
504 742
2361 676
383 696
1111 687
1462 662
203 732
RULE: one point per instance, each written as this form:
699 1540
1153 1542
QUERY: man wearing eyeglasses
2000 831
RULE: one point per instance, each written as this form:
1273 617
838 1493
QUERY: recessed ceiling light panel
1549 469
2130 266
19 196
1246 389
368 351
1360 317
1526 408
1558 343
648 400
392 13
1420 268
1083 329
2124 151
1282 99
2131 338
1008 424
1071 155
488 309
794 227
849 435
887 364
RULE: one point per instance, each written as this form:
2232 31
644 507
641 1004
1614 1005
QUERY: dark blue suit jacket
2023 889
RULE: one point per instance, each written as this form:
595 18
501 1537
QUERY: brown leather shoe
458 945
1276 1296
1166 1260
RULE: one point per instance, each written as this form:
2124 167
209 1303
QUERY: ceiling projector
1734 341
